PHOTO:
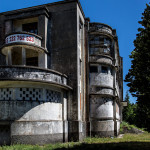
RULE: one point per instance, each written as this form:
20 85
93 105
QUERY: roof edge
43 6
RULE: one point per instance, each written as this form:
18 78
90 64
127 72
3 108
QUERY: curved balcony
22 39
100 43
23 73
94 90
100 27
101 79
102 59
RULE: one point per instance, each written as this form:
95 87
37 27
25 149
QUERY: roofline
43 6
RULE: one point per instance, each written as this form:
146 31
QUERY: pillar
42 60
64 115
23 56
9 57
8 27
42 29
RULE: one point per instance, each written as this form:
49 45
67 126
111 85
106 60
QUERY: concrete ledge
37 139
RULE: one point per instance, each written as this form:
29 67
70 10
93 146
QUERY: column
64 117
8 26
42 29
114 117
9 58
23 56
42 60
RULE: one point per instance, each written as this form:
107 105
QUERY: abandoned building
60 75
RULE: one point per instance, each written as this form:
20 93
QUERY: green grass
129 141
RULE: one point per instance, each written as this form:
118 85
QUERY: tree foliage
138 77
129 112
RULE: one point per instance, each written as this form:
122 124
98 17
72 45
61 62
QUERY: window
32 61
31 57
104 69
30 27
93 69
107 41
107 50
16 56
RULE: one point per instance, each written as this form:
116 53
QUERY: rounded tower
105 80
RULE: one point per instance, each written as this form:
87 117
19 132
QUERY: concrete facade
54 85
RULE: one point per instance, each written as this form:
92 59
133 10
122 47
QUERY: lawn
128 142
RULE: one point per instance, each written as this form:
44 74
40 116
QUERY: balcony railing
23 37
100 27
32 73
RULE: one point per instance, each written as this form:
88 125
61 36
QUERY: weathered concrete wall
101 79
101 116
31 73
34 121
39 132
101 107
64 47
101 59
30 111
64 39
101 90
65 57
102 128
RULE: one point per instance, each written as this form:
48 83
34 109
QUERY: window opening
30 27
93 69
31 57
104 69
33 61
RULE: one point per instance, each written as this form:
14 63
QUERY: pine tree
139 74
129 112
126 109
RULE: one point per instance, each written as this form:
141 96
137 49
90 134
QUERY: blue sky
122 15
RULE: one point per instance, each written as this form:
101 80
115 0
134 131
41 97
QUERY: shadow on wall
24 111
29 111
112 146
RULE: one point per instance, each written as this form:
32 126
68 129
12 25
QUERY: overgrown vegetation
125 127
129 141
